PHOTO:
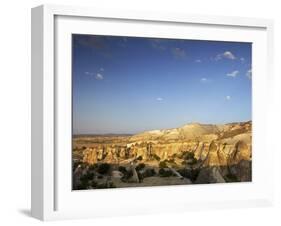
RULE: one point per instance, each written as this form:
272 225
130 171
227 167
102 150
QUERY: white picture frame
52 197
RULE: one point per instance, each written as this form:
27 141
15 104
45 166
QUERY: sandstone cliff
192 154
212 144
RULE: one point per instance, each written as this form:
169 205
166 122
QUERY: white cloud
159 99
88 73
242 59
198 61
229 55
204 80
226 55
249 73
157 44
233 74
99 76
228 97
178 52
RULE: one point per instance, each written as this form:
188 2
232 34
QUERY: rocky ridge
215 145
193 153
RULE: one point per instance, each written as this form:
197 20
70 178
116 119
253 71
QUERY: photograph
150 111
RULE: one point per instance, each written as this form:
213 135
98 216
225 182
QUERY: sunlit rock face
212 145
241 151
192 154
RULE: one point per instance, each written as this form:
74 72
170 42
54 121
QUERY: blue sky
130 84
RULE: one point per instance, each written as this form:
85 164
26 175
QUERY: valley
191 154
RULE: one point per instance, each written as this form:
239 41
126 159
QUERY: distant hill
196 131
103 135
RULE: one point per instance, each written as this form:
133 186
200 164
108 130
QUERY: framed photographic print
139 112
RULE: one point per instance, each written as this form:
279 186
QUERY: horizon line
130 134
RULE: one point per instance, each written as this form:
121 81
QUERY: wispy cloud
228 97
178 52
89 73
99 76
232 74
157 44
198 61
249 73
204 80
226 55
242 59
97 43
159 99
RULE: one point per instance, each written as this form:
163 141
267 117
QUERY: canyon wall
212 145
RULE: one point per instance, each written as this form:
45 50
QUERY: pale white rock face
155 132
134 178
116 174
196 131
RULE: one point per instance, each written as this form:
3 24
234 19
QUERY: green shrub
165 172
87 177
127 175
188 155
101 185
106 185
163 164
156 157
75 165
140 176
231 178
111 185
191 174
122 169
140 166
103 168
189 158
93 183
149 172
83 165
85 181
93 167
139 158
184 163
81 187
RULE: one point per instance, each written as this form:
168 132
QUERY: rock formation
210 175
221 152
